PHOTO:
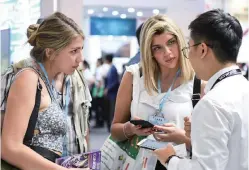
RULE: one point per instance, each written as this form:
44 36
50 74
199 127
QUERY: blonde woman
57 48
163 90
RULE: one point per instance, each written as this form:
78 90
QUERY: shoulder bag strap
33 118
196 91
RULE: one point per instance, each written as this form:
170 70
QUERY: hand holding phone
142 123
141 127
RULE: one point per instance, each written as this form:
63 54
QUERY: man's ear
204 50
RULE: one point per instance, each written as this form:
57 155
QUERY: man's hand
187 126
164 153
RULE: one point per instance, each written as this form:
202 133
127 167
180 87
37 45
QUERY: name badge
157 120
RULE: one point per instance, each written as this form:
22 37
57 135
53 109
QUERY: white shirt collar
212 80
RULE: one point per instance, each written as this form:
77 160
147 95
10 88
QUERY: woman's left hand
170 133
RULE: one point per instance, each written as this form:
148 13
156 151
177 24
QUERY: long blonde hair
159 24
56 32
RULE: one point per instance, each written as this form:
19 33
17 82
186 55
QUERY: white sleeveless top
177 106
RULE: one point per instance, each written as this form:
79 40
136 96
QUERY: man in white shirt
219 132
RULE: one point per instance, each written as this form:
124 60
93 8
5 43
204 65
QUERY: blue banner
112 26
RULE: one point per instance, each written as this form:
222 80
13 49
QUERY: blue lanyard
67 98
167 93
51 91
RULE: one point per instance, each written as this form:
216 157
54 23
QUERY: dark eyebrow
171 39
77 48
157 45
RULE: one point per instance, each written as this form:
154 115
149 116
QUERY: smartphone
142 123
146 147
151 144
142 144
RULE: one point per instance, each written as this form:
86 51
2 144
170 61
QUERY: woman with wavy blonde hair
155 26
158 90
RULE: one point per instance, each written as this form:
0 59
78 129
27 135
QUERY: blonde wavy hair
56 32
160 24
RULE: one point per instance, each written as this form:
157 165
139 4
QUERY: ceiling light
123 16
139 14
131 10
105 9
90 11
156 11
115 13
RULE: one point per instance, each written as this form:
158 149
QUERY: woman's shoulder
26 80
27 67
27 74
134 68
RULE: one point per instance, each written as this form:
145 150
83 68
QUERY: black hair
220 31
109 57
100 60
138 33
86 64
40 20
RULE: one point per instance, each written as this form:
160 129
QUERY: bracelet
126 135
124 132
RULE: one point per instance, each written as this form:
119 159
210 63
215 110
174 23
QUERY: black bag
31 126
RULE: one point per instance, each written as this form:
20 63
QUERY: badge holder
157 119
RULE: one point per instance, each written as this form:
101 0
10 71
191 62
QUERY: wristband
169 158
